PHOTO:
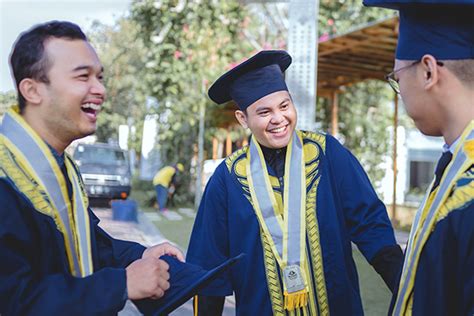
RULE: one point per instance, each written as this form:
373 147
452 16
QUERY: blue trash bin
124 210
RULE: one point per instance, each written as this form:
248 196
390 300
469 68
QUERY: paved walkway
146 233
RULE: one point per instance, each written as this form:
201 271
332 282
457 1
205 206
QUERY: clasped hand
148 277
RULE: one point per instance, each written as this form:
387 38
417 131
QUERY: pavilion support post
395 141
215 146
334 113
228 144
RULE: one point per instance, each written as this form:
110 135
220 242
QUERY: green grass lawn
177 232
375 294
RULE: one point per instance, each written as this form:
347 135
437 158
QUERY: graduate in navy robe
34 273
434 75
54 258
340 207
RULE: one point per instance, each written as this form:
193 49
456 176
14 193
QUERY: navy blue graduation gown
34 273
444 280
347 208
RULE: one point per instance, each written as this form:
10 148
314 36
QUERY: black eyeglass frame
394 82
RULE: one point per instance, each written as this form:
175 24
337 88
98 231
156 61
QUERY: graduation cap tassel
196 310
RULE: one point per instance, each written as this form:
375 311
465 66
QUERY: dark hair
28 60
463 69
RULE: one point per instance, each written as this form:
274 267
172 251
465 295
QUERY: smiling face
272 119
70 102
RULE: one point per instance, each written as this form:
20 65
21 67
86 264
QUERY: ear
430 71
29 89
242 118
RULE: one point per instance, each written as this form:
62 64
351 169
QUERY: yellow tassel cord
296 299
196 305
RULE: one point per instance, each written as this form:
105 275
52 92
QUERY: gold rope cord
315 249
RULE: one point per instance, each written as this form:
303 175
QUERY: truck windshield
98 155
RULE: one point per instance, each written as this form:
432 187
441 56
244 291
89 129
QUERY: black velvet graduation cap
442 28
186 280
258 76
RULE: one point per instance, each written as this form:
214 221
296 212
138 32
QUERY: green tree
339 17
124 69
365 116
365 112
189 44
183 45
7 99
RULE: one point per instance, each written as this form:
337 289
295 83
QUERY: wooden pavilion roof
365 53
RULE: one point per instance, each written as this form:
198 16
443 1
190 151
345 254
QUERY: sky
17 16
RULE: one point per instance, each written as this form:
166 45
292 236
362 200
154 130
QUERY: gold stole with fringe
312 264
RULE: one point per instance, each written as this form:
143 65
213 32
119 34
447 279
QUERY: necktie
442 164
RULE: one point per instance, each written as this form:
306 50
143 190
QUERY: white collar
451 148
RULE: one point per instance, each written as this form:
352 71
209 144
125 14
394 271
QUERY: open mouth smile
91 110
278 130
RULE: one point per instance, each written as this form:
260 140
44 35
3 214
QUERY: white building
417 156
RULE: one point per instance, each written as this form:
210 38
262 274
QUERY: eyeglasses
393 82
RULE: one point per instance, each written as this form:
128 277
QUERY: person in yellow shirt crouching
164 182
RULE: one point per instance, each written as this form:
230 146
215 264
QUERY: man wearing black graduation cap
293 201
434 74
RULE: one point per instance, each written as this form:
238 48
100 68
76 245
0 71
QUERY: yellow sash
314 145
28 162
286 234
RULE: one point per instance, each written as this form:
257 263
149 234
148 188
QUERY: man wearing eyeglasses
434 74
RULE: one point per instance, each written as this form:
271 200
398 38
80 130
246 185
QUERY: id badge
293 278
